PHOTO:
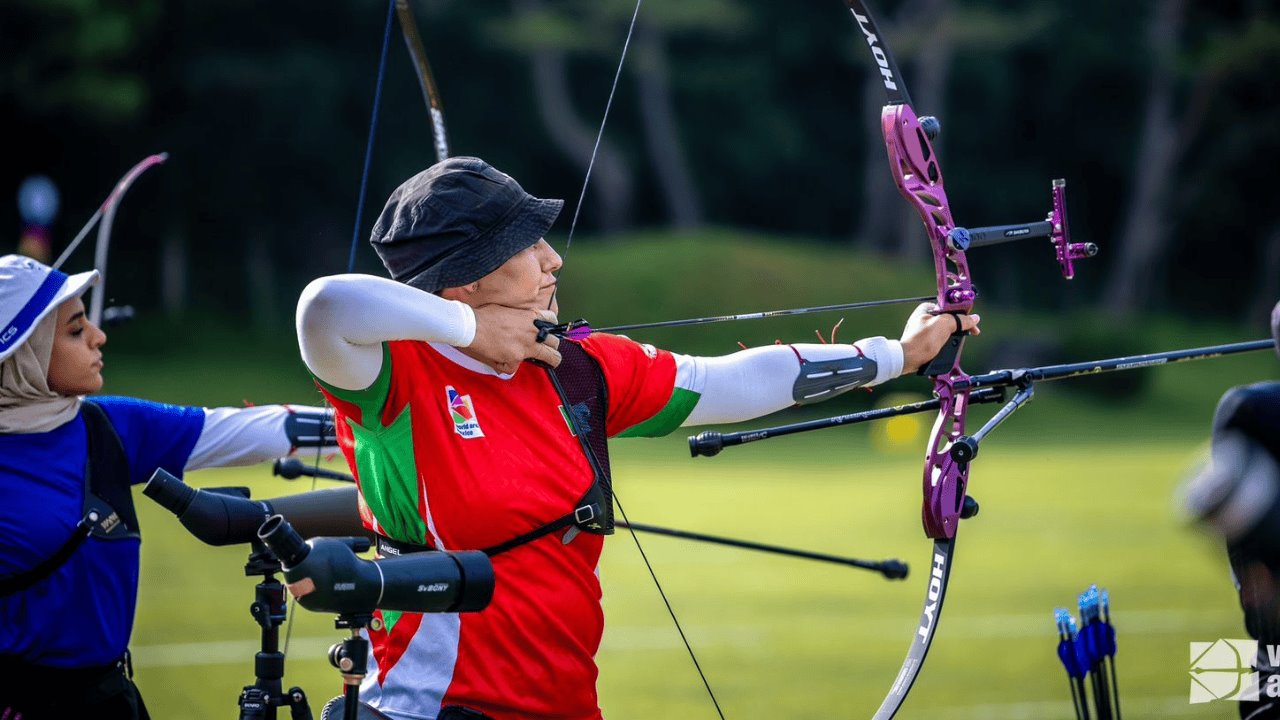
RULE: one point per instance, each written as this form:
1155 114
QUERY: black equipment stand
260 700
351 657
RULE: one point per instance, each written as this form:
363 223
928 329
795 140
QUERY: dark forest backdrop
761 116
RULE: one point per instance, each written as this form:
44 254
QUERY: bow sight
1054 227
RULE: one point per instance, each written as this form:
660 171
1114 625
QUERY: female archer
458 443
69 537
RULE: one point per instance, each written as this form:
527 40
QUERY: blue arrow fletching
1091 642
1083 660
1107 640
1071 659
1069 644
1109 632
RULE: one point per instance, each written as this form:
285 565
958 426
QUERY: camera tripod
260 700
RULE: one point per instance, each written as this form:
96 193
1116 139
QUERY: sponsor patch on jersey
463 413
581 418
650 351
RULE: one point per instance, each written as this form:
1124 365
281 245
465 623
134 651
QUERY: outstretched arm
760 381
246 436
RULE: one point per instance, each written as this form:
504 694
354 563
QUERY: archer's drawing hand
506 337
926 333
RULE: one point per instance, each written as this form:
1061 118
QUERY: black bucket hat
456 222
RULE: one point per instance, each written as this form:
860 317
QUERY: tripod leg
351 694
299 709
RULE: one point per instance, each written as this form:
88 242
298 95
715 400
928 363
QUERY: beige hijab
27 405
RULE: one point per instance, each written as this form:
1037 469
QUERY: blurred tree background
753 116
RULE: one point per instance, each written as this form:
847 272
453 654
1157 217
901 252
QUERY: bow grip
945 360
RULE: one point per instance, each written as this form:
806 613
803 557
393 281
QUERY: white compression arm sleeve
749 384
245 436
344 319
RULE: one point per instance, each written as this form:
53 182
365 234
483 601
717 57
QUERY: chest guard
584 402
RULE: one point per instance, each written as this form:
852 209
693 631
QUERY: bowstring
355 242
595 150
573 225
667 602
373 132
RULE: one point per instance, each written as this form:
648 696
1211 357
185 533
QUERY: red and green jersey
450 454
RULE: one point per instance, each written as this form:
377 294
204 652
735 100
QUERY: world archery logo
463 414
1223 670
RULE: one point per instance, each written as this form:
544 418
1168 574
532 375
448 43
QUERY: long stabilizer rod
293 468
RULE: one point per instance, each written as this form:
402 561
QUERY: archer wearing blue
69 543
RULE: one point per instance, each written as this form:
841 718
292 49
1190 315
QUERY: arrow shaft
766 314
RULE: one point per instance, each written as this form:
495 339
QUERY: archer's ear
462 292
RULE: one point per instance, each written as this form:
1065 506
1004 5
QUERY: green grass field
1071 495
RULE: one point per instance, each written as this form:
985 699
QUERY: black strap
108 510
457 712
387 546
27 578
515 542
579 383
586 516
108 485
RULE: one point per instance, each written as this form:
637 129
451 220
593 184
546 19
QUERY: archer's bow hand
507 336
926 332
